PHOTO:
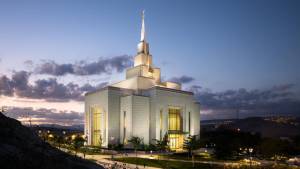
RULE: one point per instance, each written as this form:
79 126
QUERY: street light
250 151
112 143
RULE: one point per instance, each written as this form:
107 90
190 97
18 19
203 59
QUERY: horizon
237 57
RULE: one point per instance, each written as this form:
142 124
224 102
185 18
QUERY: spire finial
143 32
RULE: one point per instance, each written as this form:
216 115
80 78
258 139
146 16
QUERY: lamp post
250 152
112 143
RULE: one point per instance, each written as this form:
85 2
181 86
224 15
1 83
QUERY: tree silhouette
191 143
77 143
136 142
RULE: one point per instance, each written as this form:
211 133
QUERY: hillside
270 127
20 148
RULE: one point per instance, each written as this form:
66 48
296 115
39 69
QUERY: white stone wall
195 120
126 105
114 116
137 117
142 113
108 100
140 117
97 99
163 99
135 83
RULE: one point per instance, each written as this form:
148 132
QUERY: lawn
165 164
184 156
188 165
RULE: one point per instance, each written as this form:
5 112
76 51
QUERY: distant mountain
78 127
270 126
20 148
275 127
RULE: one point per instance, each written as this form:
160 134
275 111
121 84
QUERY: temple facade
141 105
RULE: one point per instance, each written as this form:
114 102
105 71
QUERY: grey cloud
88 87
52 68
28 63
5 86
45 116
48 89
182 79
278 99
20 80
83 68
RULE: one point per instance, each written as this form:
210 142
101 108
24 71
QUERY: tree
162 145
59 140
100 141
228 143
191 143
77 143
136 142
271 147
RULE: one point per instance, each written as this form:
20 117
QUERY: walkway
109 164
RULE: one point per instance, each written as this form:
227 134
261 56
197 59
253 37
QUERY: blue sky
223 45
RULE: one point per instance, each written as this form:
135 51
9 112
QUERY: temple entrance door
175 141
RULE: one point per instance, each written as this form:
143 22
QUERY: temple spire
143 32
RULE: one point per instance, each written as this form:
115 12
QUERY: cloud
182 79
45 116
48 89
83 68
18 82
278 99
5 86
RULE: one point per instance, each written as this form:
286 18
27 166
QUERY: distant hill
78 128
20 148
274 127
271 126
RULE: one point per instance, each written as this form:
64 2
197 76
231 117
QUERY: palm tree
136 142
191 143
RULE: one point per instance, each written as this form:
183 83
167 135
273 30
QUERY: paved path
104 161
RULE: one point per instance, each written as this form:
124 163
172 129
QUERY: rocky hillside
20 148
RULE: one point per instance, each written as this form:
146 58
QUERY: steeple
143 32
143 46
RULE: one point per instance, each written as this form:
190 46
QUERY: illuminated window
174 119
96 126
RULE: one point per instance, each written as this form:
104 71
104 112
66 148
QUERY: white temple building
142 105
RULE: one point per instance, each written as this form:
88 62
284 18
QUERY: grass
189 165
164 163
184 156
